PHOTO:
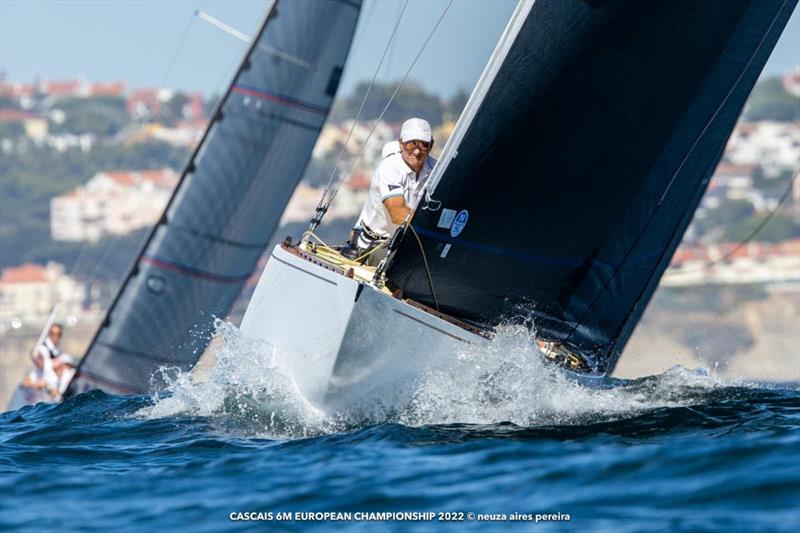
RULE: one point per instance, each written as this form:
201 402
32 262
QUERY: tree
172 112
456 104
780 228
411 100
100 115
770 101
11 130
6 102
32 177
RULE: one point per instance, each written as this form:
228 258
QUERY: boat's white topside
337 337
340 338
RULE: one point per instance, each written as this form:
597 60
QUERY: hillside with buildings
86 169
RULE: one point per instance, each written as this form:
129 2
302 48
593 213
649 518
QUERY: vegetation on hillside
101 116
770 101
410 101
31 175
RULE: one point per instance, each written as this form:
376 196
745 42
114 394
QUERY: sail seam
237 244
691 150
199 148
134 353
278 98
180 268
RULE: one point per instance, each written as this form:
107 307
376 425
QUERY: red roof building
116 88
27 273
10 116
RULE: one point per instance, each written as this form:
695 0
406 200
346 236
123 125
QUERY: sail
580 160
229 199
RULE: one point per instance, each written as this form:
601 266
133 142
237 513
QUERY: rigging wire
181 42
761 225
396 90
128 276
366 95
325 203
670 183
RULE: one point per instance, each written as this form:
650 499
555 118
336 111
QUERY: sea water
493 441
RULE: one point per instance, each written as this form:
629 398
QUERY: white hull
342 341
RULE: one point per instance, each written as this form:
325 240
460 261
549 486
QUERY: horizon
184 53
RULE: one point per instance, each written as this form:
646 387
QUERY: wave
504 388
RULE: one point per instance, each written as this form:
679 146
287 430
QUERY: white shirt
393 177
46 352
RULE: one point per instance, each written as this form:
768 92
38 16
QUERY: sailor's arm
396 206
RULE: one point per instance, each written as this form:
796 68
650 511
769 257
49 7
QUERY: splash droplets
508 381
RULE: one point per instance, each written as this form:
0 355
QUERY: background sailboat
229 200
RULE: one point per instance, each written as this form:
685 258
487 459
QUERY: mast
228 201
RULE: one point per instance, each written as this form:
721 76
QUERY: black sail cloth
585 162
229 200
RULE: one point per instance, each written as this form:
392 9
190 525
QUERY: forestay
229 199
584 162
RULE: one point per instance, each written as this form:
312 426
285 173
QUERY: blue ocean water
679 451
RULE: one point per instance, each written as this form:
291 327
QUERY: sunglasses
422 145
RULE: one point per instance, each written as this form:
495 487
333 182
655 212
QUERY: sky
149 43
161 43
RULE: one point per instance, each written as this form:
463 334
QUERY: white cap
416 129
390 148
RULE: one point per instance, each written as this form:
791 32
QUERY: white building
187 133
773 145
29 292
111 203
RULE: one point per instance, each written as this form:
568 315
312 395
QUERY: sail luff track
229 199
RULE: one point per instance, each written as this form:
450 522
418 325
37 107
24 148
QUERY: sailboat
228 202
558 200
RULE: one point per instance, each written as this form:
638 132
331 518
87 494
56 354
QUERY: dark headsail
576 177
229 199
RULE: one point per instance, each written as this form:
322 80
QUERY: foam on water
508 381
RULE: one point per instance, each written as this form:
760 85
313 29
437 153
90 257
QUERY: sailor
395 190
47 362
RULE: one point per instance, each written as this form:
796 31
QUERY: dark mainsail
229 200
584 163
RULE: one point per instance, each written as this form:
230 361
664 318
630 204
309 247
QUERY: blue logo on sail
459 223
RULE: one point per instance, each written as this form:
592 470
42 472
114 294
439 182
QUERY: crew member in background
395 190
47 363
